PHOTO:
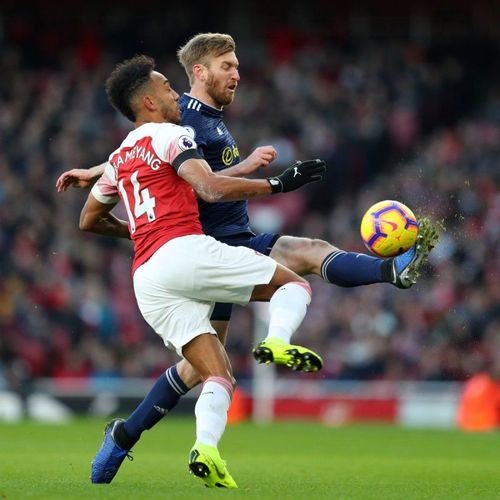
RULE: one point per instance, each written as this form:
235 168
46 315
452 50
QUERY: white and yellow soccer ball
389 228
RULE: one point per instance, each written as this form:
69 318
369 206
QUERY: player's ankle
386 271
122 438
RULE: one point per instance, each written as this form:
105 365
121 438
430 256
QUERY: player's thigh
302 255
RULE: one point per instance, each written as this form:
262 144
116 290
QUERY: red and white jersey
143 173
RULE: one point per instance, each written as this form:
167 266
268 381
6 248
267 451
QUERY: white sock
211 410
287 309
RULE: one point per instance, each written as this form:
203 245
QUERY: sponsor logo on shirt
229 154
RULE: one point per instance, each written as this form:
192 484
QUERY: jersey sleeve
105 189
192 120
177 146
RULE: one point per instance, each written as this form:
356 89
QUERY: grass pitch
279 461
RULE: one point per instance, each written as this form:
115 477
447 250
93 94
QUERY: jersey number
144 204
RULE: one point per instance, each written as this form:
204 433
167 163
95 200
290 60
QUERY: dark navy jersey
217 146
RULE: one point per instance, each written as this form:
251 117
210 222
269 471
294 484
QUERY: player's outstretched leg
110 456
406 267
206 463
296 357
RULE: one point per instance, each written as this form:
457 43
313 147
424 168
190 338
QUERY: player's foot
296 357
405 267
110 456
206 463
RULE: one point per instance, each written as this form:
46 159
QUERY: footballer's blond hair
201 48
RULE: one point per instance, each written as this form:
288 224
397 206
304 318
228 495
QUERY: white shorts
177 287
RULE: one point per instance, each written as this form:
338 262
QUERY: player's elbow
209 190
209 197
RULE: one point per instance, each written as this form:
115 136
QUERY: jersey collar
207 109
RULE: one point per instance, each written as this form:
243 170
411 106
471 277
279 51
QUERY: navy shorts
263 243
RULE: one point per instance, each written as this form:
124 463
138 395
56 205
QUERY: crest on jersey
185 142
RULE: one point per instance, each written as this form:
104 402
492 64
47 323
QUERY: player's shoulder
165 131
157 136
167 135
191 115
168 128
190 105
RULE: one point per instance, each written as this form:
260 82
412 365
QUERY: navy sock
162 397
353 269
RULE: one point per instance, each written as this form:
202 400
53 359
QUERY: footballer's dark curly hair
126 80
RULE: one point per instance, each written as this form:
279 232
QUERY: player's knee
321 247
303 247
318 251
311 253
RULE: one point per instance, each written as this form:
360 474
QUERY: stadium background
401 102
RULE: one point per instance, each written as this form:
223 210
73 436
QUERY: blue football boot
110 456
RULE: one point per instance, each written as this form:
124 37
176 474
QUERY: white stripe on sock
327 261
173 383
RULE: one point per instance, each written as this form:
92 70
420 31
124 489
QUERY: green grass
280 461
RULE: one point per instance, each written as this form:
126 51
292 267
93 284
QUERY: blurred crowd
411 118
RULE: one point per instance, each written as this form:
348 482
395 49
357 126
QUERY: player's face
167 97
222 78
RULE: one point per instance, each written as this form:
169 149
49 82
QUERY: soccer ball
389 228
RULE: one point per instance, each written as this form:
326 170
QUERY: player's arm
260 157
96 217
212 188
79 177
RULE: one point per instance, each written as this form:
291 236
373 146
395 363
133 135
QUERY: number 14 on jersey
143 202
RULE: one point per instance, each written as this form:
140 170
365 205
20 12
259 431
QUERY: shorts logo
185 143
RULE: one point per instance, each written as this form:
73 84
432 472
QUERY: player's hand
300 173
261 157
77 177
